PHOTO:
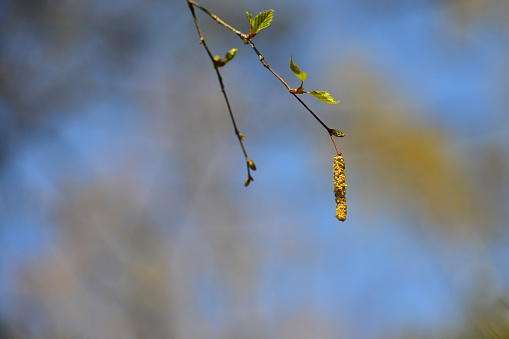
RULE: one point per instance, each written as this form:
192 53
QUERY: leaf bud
337 133
251 164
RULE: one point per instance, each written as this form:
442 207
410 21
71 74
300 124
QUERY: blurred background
123 211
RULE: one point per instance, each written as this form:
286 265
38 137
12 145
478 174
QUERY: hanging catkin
340 187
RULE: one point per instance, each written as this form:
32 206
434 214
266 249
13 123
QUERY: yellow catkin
340 187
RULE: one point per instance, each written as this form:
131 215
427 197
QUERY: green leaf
296 70
323 96
261 21
230 54
250 19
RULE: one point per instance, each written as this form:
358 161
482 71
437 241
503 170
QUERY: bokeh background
123 212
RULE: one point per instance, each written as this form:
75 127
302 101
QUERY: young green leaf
261 21
230 54
323 96
250 19
296 70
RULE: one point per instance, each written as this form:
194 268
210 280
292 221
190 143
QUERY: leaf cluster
320 95
261 21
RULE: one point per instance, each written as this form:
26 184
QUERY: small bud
251 164
241 136
247 182
300 90
340 187
218 62
261 57
337 133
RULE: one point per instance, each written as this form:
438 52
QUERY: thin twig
215 17
220 79
262 59
264 63
334 142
